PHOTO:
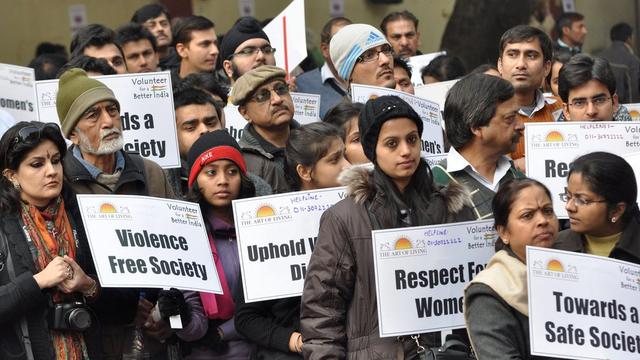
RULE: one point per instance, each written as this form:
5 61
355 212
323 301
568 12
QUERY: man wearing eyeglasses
587 87
245 47
263 99
362 55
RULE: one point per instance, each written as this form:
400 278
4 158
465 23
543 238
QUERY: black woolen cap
208 141
246 28
375 113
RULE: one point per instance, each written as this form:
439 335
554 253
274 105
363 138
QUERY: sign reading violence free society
140 241
550 149
276 235
146 110
429 111
583 306
419 284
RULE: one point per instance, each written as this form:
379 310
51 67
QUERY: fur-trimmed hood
358 180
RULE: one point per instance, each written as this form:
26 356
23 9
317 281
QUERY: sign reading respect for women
146 112
429 111
276 235
550 149
17 93
583 306
419 284
148 242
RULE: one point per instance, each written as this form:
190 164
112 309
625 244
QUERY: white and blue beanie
349 43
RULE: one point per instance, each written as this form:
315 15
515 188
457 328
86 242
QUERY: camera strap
24 330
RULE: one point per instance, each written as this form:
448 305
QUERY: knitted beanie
246 28
253 79
375 113
212 146
76 93
349 43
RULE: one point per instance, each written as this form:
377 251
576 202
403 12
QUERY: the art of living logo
402 246
108 211
266 214
555 139
555 269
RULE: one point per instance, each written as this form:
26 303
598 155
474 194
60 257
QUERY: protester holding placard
339 315
315 158
45 292
218 175
496 305
601 202
443 68
345 115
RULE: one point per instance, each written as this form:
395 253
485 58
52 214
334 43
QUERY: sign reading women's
552 147
583 306
419 284
276 235
147 242
429 111
17 93
146 111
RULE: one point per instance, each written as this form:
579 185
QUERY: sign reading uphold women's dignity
421 273
276 235
148 242
146 113
552 147
583 306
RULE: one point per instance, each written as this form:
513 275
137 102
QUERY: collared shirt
456 162
546 109
574 50
94 171
327 75
541 101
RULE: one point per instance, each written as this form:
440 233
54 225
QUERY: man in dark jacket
263 99
623 60
96 164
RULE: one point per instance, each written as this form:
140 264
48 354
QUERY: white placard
432 137
234 122
418 62
148 242
146 110
276 235
583 306
434 160
551 147
307 107
634 160
419 284
634 110
287 34
436 92
18 93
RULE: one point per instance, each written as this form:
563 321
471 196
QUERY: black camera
73 316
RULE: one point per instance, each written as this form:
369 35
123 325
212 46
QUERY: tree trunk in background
475 27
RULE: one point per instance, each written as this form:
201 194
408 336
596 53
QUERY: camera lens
79 319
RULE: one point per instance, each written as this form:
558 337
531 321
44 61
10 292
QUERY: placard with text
583 306
146 112
148 242
276 235
419 284
17 93
551 147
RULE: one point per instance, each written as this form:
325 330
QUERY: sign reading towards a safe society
276 235
419 284
552 147
146 112
432 138
147 242
583 306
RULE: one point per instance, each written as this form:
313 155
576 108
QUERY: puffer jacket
339 318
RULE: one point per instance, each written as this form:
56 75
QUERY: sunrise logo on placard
555 265
402 246
635 115
265 214
108 211
556 269
554 139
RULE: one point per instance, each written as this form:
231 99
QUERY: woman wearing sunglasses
601 203
43 287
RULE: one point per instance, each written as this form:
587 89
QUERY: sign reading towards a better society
432 137
140 241
17 92
276 235
146 112
550 149
583 306
419 284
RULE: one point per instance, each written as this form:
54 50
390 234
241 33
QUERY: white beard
105 147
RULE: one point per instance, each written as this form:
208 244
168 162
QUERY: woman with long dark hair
44 256
338 316
601 202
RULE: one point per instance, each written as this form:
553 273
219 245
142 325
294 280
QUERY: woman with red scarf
44 291
218 175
